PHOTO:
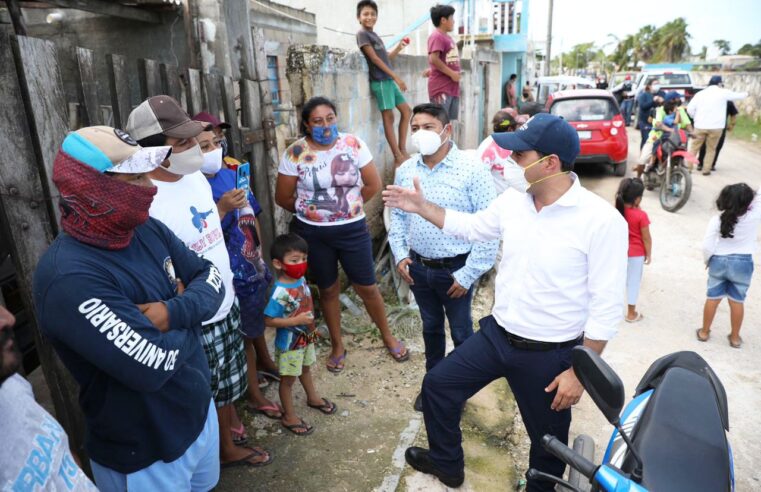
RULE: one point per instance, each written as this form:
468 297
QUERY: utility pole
548 55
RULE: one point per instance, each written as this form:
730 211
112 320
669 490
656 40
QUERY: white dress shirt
708 108
563 269
744 237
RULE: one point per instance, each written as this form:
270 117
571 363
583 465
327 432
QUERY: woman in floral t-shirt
324 178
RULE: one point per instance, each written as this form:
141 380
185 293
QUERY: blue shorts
348 243
196 470
252 297
729 276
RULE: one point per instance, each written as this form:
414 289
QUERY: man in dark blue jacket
122 300
646 101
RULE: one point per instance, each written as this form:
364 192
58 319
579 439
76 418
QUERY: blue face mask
325 135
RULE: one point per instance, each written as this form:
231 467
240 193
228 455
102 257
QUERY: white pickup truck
670 80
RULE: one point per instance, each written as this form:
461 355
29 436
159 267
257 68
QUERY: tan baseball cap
162 115
112 150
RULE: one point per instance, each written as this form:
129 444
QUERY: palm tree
672 41
645 43
723 46
623 55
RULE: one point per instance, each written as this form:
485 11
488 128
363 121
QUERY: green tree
671 41
704 53
645 43
723 45
750 49
580 56
623 55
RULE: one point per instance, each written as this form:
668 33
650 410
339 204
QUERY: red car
596 116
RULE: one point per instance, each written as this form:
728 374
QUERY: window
274 79
584 109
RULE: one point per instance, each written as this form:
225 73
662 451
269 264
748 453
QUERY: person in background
731 120
219 128
290 310
40 459
708 109
624 94
441 270
664 120
385 84
238 212
121 300
324 179
646 101
444 62
728 248
628 199
184 202
494 157
511 95
528 94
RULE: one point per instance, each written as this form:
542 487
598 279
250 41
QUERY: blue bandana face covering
325 135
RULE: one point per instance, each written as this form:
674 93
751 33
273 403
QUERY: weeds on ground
746 127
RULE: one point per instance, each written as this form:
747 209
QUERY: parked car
597 118
549 85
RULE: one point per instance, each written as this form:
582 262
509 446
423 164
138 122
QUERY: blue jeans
729 276
626 109
483 358
430 290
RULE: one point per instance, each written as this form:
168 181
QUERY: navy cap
715 80
545 133
672 95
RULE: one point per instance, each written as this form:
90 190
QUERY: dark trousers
719 145
483 358
644 130
626 110
430 290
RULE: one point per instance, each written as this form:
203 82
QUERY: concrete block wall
342 76
749 82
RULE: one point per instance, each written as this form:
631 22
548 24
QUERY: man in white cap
122 300
185 203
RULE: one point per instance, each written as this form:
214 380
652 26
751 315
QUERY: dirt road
671 299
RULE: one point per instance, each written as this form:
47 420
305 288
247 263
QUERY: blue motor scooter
670 437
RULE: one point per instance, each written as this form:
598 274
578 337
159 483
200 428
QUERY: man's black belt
439 262
539 346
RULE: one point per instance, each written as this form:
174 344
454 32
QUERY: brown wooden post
119 87
25 201
193 91
231 115
170 82
150 78
88 88
211 93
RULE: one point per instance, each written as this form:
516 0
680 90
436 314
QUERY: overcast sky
580 21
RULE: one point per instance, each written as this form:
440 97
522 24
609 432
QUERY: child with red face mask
290 310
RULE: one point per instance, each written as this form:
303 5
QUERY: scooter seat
680 437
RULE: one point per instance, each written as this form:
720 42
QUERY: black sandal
327 407
301 425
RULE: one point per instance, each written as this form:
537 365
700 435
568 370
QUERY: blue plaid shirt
459 182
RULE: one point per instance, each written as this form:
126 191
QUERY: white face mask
515 175
427 142
186 162
212 162
655 87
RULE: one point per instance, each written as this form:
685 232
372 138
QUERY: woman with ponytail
728 249
628 199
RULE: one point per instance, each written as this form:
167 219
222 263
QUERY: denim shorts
729 276
348 243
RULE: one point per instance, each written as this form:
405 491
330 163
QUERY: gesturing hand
157 314
409 200
404 270
569 390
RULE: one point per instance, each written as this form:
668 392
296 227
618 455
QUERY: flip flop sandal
638 318
701 339
265 409
245 461
271 375
308 429
338 363
263 383
395 353
733 344
239 435
327 407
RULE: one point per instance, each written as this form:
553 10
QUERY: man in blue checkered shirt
441 269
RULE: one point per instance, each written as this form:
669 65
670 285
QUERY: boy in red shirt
444 62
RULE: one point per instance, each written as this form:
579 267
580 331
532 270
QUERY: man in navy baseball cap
544 147
560 284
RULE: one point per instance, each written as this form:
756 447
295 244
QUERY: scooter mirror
601 382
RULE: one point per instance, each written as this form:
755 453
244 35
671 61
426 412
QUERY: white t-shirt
36 452
188 209
745 234
495 158
329 189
